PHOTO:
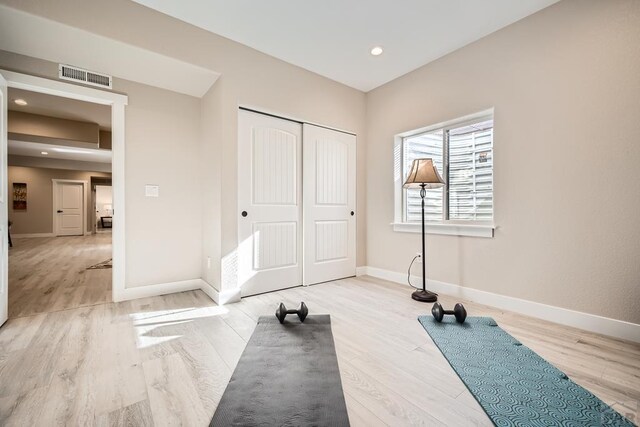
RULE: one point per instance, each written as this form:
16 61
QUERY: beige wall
28 126
163 235
210 166
105 139
565 84
187 136
248 77
38 218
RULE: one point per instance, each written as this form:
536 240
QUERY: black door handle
244 213
352 213
60 211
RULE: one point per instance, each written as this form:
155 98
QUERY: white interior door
4 221
329 204
69 208
269 203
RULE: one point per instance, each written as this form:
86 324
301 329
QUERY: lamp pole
423 193
423 174
423 295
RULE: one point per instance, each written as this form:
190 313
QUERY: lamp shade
423 174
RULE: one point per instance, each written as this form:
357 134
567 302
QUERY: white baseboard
221 298
588 322
158 289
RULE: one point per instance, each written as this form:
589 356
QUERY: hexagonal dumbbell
458 311
282 312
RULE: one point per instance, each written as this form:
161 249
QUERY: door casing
117 102
4 206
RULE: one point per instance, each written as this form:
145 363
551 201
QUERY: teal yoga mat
514 385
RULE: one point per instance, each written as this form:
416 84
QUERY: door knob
244 213
352 213
60 211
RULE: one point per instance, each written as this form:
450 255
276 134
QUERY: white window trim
445 228
450 228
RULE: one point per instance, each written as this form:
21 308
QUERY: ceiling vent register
75 74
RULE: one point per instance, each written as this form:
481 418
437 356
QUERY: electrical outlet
208 262
418 257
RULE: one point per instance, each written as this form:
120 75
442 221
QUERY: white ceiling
62 108
35 149
333 37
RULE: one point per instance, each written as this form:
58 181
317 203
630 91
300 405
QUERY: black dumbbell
458 311
282 312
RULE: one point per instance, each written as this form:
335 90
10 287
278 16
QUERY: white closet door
269 203
329 204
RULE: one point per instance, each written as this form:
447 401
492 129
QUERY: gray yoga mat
287 376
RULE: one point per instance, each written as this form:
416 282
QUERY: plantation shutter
427 145
471 172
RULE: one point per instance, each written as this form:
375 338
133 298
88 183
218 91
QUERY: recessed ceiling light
21 102
376 51
44 153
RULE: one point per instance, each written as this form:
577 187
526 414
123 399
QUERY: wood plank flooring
49 274
167 360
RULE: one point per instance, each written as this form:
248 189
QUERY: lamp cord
409 273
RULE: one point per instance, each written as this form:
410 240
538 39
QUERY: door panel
275 245
4 221
332 240
274 165
332 184
69 208
329 200
269 193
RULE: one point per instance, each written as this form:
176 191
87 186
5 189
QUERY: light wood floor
167 360
50 274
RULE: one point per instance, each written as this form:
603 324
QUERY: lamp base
424 296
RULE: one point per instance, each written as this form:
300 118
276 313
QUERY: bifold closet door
269 203
329 192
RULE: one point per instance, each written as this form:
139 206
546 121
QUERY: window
462 151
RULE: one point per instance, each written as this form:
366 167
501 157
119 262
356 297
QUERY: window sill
453 229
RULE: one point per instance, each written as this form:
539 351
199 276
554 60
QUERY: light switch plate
152 190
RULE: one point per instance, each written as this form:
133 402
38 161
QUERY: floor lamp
423 175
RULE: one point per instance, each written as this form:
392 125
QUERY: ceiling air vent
75 74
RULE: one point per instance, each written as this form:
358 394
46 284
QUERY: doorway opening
102 202
60 203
